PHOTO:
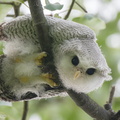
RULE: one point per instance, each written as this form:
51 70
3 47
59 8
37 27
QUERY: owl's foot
49 79
44 78
38 59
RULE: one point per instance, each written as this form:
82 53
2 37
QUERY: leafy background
104 18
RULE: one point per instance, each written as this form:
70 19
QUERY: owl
77 59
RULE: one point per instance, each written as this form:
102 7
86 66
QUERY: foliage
90 20
64 108
52 7
4 10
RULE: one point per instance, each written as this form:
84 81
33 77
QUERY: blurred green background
104 18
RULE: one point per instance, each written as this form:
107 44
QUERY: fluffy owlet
78 60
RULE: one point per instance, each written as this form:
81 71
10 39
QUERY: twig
111 94
16 6
12 15
25 110
8 3
70 9
81 7
108 106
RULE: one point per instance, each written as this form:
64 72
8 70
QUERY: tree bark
40 24
89 105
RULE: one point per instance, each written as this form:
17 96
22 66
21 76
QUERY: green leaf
57 15
53 7
91 21
4 10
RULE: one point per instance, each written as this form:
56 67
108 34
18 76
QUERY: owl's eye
90 71
75 61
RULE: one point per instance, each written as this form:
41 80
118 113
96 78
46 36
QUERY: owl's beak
77 74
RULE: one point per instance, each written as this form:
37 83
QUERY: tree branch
108 105
40 24
70 9
16 6
81 7
7 3
71 6
111 95
89 106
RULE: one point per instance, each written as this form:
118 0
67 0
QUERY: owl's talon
49 79
38 60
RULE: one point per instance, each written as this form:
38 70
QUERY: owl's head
81 65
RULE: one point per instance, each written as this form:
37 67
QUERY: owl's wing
22 28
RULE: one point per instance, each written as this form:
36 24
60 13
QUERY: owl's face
81 65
